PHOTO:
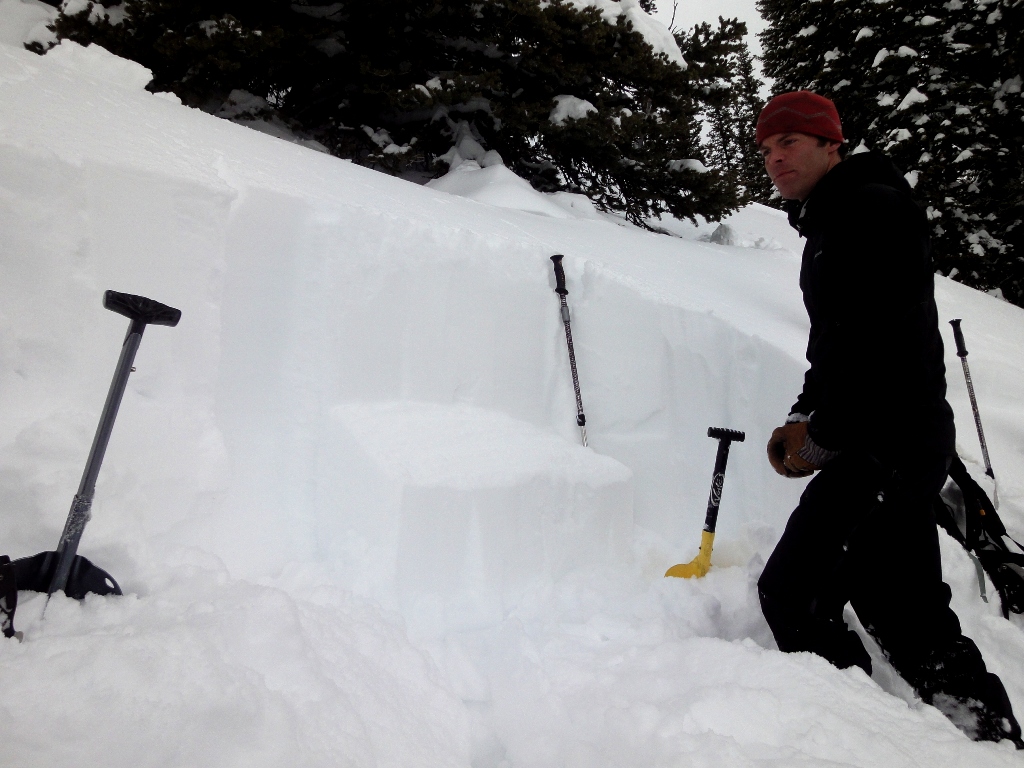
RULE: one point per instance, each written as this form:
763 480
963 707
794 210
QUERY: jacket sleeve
806 404
872 275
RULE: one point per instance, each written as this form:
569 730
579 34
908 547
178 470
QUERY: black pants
864 533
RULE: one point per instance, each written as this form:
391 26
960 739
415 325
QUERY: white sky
691 12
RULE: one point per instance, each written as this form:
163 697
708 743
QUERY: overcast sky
690 12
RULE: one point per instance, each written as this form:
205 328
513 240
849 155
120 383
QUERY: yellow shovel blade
700 565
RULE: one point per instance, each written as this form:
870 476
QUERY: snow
466 150
24 21
346 498
570 108
653 31
913 96
689 165
102 64
496 185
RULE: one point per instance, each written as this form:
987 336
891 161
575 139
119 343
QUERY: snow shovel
700 565
64 569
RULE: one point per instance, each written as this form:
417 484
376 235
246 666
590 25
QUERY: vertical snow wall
370 378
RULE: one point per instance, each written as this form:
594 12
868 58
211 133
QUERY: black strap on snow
35 573
968 515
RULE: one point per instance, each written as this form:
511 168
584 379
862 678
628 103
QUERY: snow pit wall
314 285
289 312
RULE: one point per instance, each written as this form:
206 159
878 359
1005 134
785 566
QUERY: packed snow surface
346 497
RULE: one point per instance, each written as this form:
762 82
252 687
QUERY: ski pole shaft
562 291
140 311
961 351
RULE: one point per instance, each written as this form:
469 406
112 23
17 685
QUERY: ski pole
700 565
961 351
141 311
562 292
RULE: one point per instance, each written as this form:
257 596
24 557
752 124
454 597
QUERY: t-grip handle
142 312
559 275
731 435
139 308
958 337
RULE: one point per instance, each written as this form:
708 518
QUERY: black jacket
877 379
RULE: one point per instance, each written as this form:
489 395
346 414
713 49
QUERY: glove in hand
782 450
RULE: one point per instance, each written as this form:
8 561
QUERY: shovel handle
958 337
721 433
142 312
559 275
139 308
725 438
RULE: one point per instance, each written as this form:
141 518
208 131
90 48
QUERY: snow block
460 509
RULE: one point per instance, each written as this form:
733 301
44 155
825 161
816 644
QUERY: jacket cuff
795 418
815 454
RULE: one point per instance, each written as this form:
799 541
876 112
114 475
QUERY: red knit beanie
802 112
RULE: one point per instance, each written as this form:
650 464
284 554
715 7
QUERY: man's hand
782 450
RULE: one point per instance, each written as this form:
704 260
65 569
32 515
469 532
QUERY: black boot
955 681
8 598
987 717
830 637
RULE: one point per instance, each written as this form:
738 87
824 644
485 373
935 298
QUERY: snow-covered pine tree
708 51
722 68
1008 104
567 98
933 85
202 50
757 187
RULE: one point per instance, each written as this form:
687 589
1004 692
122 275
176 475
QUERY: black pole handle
559 276
140 308
725 437
731 435
958 336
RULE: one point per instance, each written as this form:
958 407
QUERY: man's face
796 162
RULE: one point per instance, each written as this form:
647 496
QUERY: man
872 422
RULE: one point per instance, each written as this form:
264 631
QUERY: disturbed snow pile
345 497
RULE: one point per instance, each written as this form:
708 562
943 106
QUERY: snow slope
345 496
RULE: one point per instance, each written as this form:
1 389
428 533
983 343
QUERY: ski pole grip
140 308
559 275
958 336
